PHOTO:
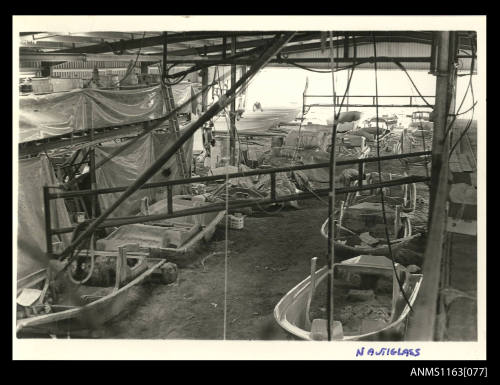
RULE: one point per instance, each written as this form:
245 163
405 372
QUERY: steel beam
214 207
213 178
155 40
422 322
165 156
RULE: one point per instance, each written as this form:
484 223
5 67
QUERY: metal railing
338 99
214 207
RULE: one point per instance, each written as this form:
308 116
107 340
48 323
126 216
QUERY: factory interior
314 185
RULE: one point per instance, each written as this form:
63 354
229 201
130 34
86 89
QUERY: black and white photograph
267 185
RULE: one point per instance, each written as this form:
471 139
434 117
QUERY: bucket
236 221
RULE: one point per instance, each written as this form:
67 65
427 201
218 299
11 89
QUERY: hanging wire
424 147
74 252
403 68
331 229
361 61
379 167
131 66
181 77
469 87
465 131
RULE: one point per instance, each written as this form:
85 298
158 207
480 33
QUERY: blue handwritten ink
387 351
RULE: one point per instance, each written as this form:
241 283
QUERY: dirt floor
266 259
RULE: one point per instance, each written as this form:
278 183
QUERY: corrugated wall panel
393 49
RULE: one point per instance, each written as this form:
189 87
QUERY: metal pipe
232 114
72 194
331 202
273 186
359 60
373 105
422 324
170 204
163 158
247 203
204 95
48 219
369 96
164 61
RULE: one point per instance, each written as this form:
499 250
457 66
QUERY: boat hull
88 316
291 311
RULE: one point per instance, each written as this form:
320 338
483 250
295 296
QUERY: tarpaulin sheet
183 92
33 174
123 170
43 116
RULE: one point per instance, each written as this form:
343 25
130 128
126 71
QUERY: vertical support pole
144 67
361 171
144 72
243 72
45 69
93 186
48 219
232 114
273 186
170 205
346 56
422 323
331 204
164 61
204 84
121 260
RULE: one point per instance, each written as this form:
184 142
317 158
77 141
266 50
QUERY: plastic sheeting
33 174
43 116
123 170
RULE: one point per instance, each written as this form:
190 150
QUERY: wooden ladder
174 123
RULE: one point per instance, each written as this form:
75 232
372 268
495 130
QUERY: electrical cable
465 131
403 68
363 61
131 67
379 167
331 203
469 87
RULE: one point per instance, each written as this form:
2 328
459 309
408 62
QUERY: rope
331 252
379 167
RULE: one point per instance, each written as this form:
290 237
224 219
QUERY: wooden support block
319 330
